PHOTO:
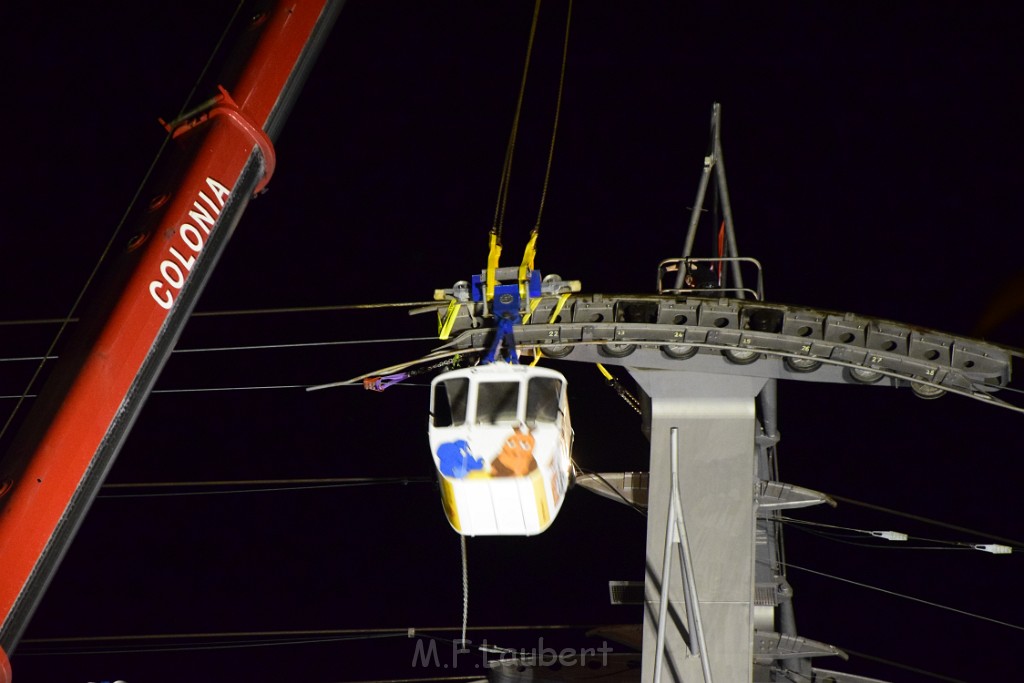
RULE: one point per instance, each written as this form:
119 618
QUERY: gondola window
542 400
449 405
497 402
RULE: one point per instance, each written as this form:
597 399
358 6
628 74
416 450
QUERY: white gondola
501 439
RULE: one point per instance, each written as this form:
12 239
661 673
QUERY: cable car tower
707 351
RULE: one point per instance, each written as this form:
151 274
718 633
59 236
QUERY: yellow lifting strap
493 255
533 307
527 266
446 323
562 298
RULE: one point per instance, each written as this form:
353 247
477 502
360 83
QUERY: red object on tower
220 156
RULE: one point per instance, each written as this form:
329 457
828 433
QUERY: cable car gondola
501 438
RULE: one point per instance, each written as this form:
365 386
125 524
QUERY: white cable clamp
889 535
994 548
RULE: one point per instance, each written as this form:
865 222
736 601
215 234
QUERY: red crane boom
221 155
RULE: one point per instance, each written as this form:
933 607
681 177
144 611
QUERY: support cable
206 390
554 128
922 601
295 635
905 667
247 311
797 676
506 170
429 679
898 536
258 347
194 647
254 486
299 345
927 520
313 309
465 588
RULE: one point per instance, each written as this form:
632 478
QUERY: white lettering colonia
176 267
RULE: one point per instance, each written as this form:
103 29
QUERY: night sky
873 154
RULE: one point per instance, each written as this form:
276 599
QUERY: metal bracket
769 646
622 487
224 105
775 495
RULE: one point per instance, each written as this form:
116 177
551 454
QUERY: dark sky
873 157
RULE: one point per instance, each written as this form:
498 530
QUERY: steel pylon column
716 422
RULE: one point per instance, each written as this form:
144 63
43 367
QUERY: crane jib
163 255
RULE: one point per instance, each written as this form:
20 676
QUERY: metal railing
682 265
